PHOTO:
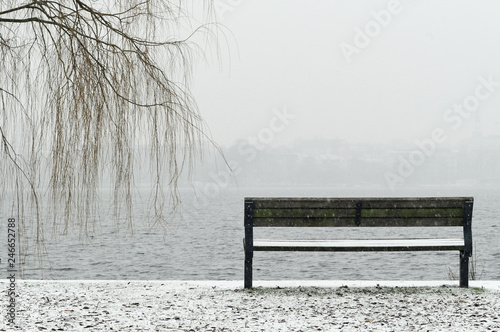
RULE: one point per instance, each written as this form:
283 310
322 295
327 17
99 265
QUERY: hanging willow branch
84 87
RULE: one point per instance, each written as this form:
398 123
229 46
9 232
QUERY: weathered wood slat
412 222
412 213
360 245
365 213
312 203
368 203
351 222
304 222
415 204
304 213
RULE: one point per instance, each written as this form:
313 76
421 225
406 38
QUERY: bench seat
447 244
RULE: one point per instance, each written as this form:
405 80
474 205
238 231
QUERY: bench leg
464 270
248 271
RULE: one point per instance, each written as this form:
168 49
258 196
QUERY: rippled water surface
207 244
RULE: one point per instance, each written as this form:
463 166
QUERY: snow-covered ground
270 306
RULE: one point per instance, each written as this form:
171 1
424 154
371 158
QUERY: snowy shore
270 306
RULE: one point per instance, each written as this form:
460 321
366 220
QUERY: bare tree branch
84 86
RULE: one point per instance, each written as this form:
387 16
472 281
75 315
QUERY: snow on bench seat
360 245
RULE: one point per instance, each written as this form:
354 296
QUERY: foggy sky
359 71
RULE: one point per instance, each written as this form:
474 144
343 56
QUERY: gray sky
358 71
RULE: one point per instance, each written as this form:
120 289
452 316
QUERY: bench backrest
360 212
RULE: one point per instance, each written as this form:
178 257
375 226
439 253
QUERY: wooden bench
360 212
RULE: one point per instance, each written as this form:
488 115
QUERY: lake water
207 244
